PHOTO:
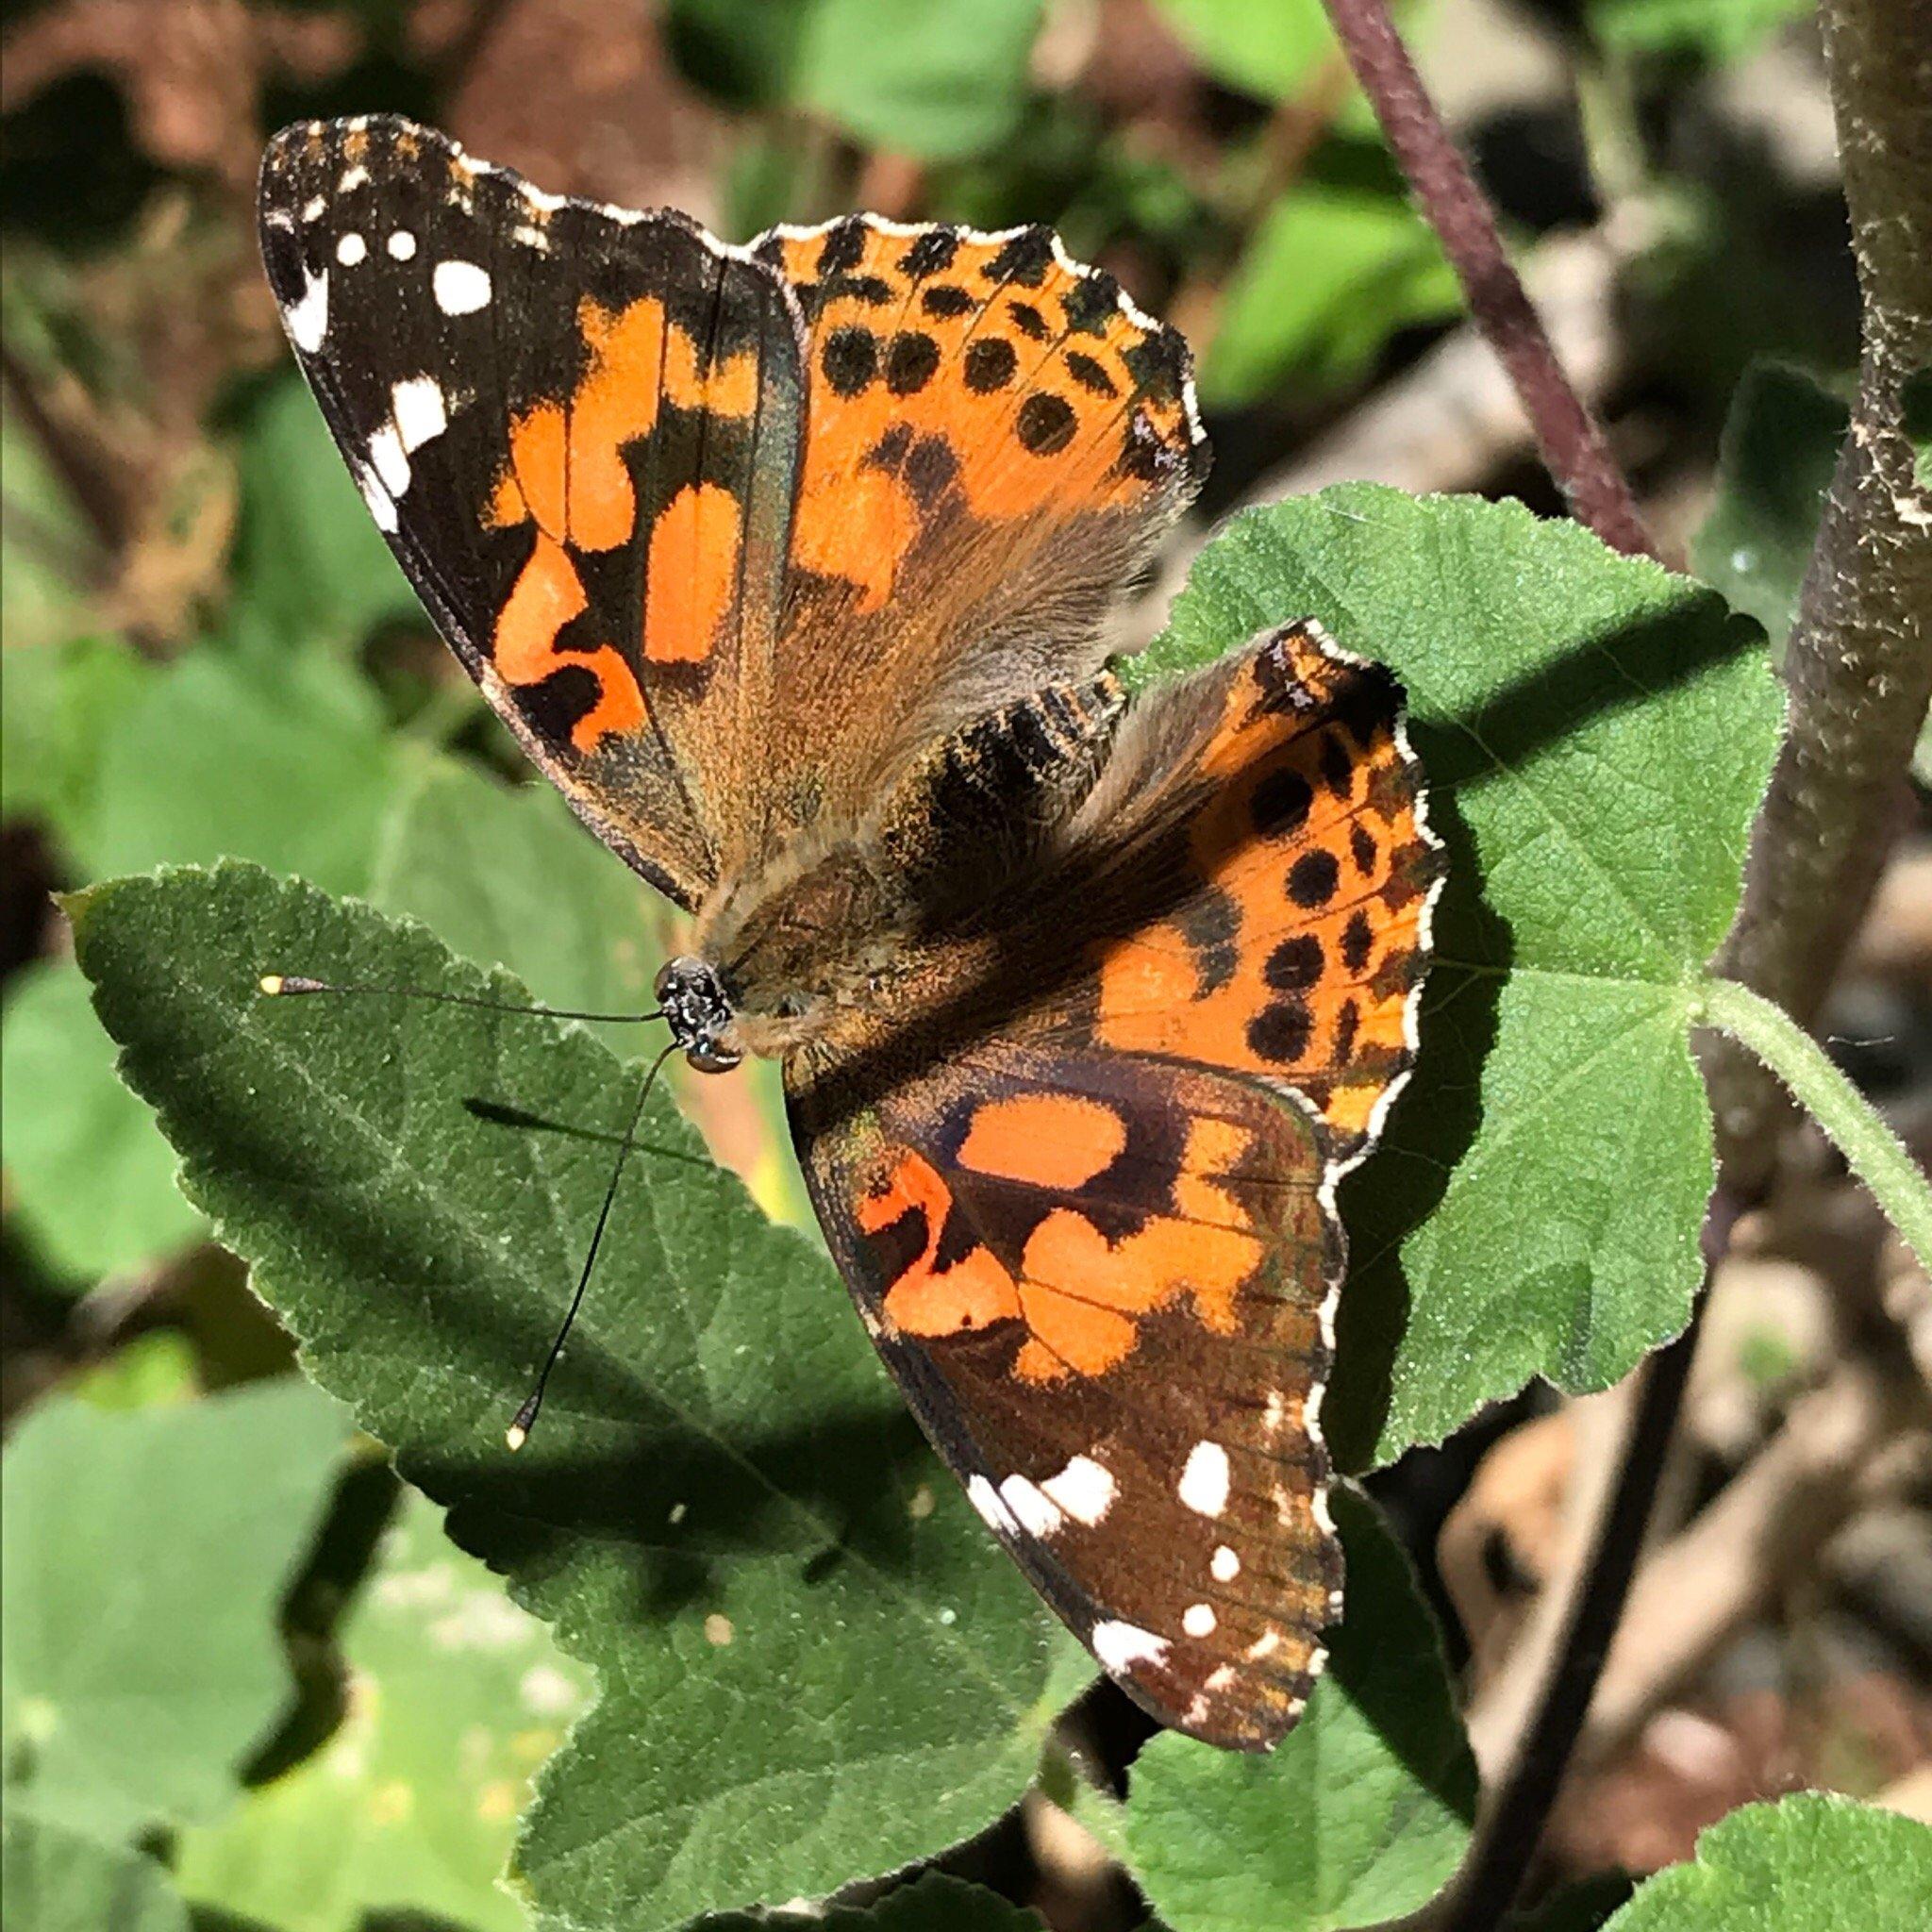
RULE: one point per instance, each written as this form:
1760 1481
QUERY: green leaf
935 1902
1915 419
285 760
455 1697
154 1371
1596 734
90 1179
1362 1813
1268 48
1809 1863
309 562
506 875
1780 448
936 78
62 700
49 554
146 1555
1330 274
1716 30
53 1878
813 1661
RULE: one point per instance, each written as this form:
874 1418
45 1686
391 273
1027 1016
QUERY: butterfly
789 564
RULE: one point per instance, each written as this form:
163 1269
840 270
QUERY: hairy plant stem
1870 1149
1859 667
1569 436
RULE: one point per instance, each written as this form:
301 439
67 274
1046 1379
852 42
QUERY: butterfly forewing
579 430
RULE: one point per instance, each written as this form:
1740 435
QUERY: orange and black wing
997 438
580 431
1085 1200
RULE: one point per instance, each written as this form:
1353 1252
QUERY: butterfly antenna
525 1418
281 984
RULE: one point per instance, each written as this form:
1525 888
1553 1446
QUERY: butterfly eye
704 1059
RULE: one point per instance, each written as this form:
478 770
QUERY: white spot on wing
402 245
352 178
351 249
986 1499
1202 1486
306 317
1034 1508
1198 1620
418 409
1225 1566
1084 1489
314 207
381 504
460 287
1120 1646
391 464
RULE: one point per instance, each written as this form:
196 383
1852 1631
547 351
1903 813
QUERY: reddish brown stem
1569 436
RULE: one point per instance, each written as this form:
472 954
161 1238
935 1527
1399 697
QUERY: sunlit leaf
147 1554
1596 735
813 1660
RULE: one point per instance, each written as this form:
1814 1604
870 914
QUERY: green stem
1873 1152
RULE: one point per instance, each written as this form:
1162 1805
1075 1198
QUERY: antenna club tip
271 984
516 1436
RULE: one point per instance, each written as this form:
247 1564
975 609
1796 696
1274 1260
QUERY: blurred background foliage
207 651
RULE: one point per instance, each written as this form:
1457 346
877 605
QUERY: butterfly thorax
815 934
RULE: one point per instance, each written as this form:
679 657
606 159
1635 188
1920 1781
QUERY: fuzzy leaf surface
1812 1862
1595 734
805 1674
1360 1814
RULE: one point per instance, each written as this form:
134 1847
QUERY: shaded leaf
1809 1863
506 875
1268 48
62 700
1362 1813
807 1669
90 1179
1717 29
146 1555
53 1878
1596 735
935 1902
1331 272
936 78
1781 446
49 554
284 758
454 1697
309 562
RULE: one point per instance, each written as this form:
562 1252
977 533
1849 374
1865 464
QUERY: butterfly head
693 1000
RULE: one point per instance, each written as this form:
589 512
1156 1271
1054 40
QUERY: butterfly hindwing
580 432
1097 1242
1103 1284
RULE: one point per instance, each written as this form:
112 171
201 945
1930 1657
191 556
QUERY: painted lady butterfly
787 563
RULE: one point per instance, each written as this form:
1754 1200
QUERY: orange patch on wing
852 525
532 486
548 593
547 596
620 706
1049 1140
1082 1296
693 575
926 1298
